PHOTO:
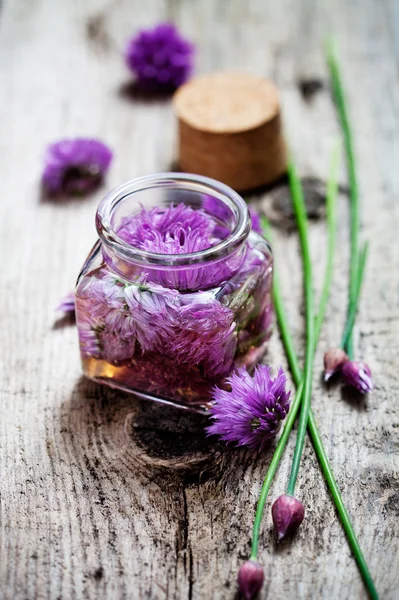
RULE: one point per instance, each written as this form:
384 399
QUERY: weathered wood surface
103 496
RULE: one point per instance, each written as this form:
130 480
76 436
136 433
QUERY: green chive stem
331 196
302 222
315 436
332 189
340 102
347 335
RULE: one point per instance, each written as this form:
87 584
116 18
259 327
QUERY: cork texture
229 128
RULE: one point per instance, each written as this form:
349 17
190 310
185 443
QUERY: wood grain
103 496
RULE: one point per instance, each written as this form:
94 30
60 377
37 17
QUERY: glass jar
168 327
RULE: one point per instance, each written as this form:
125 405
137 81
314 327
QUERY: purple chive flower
357 375
124 316
75 166
253 410
179 229
174 230
89 331
122 320
206 335
250 579
287 513
67 304
334 359
160 58
153 315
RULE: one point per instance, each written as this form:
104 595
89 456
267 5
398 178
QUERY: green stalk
356 273
328 474
301 216
340 102
272 470
315 436
289 348
331 196
347 335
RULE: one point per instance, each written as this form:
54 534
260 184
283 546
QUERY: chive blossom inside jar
176 293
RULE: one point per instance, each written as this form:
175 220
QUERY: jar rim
191 182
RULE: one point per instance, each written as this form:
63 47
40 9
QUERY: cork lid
227 102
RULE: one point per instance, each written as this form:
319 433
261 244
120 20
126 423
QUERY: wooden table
107 497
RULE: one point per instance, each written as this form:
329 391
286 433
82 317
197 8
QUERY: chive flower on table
252 411
75 166
160 58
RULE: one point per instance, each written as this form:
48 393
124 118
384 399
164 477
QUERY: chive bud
250 579
334 359
288 514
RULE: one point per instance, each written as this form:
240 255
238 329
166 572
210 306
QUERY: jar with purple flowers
176 293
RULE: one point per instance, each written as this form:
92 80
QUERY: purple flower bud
357 375
334 359
288 514
250 579
67 304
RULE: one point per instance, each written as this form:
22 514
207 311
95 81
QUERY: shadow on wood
155 436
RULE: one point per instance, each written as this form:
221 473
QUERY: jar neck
185 278
207 268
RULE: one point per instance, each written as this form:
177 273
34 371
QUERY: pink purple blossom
357 375
75 166
89 330
179 229
206 335
160 58
153 313
149 318
252 411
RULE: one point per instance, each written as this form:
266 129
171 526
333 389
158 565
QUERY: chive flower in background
252 411
160 58
75 166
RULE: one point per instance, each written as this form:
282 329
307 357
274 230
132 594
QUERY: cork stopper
230 129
